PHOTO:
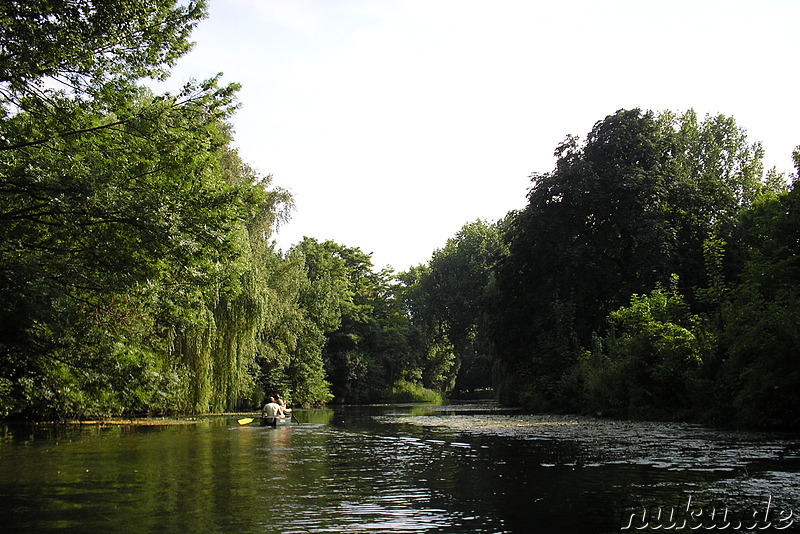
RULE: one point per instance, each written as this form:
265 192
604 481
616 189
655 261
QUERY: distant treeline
653 273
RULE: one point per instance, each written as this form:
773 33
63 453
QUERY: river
468 468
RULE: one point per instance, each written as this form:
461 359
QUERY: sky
396 122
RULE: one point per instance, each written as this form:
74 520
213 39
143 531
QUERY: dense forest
653 273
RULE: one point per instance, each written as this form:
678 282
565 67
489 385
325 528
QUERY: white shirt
272 409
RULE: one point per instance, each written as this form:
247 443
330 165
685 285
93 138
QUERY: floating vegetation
133 422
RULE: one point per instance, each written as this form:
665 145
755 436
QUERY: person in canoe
282 403
272 412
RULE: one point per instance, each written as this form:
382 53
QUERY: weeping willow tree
219 348
291 346
261 327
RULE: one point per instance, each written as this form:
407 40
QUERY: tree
640 200
84 44
758 380
447 300
715 173
592 234
369 347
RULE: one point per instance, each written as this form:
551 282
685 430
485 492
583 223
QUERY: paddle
245 421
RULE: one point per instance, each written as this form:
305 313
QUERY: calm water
470 469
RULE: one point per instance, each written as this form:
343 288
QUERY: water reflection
381 469
615 465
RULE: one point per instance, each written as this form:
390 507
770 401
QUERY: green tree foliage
138 215
648 363
135 268
642 198
759 379
289 358
96 175
137 271
219 348
369 341
448 303
87 43
715 173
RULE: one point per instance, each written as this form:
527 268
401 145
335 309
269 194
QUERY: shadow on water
397 468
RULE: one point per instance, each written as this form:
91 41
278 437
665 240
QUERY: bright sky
395 122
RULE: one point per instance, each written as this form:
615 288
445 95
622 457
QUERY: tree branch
62 135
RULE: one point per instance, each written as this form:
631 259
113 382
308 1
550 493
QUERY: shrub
404 391
645 366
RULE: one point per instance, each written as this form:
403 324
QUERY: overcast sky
394 123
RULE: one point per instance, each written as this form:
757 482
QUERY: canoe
276 421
